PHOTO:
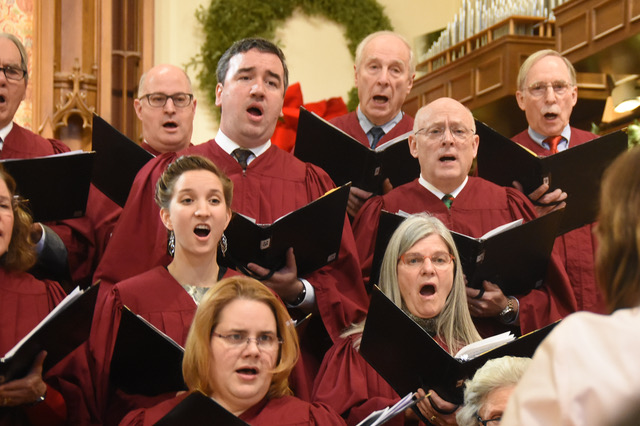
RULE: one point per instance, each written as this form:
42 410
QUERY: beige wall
315 48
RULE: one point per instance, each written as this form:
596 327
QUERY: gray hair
367 39
535 57
495 374
24 59
454 323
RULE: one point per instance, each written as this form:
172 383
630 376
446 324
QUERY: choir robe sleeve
554 299
138 234
340 293
348 384
365 228
24 302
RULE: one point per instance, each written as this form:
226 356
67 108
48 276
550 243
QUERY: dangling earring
171 245
223 244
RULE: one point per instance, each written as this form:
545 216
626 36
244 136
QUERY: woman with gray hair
486 395
421 274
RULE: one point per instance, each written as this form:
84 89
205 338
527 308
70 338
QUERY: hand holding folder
408 358
314 231
577 170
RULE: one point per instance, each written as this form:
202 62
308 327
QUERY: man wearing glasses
166 108
445 143
547 94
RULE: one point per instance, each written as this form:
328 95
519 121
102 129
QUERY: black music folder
408 358
387 225
57 186
198 409
314 231
118 160
65 328
347 160
145 360
577 170
514 256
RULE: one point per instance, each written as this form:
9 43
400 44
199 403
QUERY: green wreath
225 21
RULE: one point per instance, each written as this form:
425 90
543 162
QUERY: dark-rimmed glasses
488 422
158 100
13 73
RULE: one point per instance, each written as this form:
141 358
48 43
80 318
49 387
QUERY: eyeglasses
158 100
488 422
437 133
440 260
539 88
13 73
264 342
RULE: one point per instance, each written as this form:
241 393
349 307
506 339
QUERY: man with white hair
384 73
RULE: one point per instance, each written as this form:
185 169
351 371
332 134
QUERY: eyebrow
253 69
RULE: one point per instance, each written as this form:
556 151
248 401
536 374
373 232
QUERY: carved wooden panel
608 17
571 35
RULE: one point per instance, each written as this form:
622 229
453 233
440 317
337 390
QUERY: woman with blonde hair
421 273
240 351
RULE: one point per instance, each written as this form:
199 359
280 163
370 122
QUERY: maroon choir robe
170 309
274 184
84 237
480 207
349 124
348 384
284 411
577 247
24 302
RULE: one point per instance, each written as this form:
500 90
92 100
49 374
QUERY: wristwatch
509 313
300 297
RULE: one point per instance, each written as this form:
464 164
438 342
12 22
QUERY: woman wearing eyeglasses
241 348
194 198
420 273
24 302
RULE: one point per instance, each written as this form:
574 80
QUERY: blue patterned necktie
377 134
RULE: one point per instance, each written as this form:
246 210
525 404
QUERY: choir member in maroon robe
547 94
420 273
239 352
194 198
81 236
445 145
252 79
384 73
24 302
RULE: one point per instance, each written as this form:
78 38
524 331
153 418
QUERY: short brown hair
196 363
618 231
21 254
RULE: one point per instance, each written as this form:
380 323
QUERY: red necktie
553 143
